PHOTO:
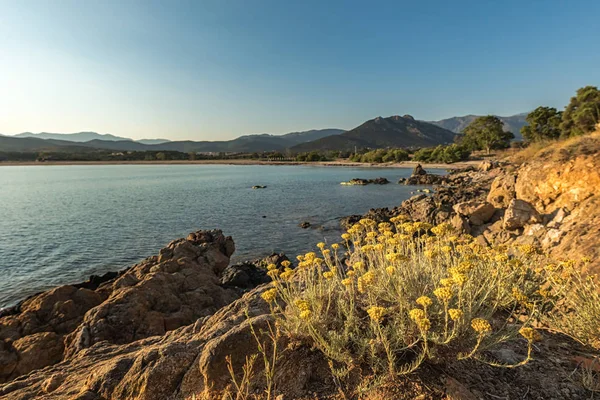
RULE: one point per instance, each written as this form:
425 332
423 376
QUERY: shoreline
337 163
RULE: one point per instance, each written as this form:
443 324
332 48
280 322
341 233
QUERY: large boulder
520 213
478 212
502 191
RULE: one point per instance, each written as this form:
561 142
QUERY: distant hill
248 143
394 131
513 124
26 144
71 137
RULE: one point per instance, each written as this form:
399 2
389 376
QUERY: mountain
394 131
248 143
71 137
513 124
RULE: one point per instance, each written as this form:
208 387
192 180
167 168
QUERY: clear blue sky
219 69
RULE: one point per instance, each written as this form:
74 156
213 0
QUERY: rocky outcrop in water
363 182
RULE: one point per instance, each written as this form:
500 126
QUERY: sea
61 224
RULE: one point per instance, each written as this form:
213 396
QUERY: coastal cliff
165 327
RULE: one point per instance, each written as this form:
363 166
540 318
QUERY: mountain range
76 142
395 131
86 137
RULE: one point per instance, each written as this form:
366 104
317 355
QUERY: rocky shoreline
162 329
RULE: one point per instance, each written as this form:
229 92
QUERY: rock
478 212
304 225
557 217
37 351
244 276
502 190
460 224
520 213
157 295
258 187
356 182
363 182
487 165
177 365
379 181
419 170
347 222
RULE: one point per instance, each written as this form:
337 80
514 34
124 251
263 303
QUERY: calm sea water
60 224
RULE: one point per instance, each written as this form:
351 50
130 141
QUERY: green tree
544 123
486 133
583 112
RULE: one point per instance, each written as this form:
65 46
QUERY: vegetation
486 133
544 123
381 156
583 112
443 154
416 294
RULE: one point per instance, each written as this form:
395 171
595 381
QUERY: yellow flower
518 295
347 281
321 245
271 267
455 314
365 280
442 229
302 305
351 273
287 274
310 256
459 279
530 334
300 257
446 282
346 236
306 314
446 249
326 252
391 269
358 265
286 263
424 301
327 274
335 246
481 326
444 294
424 324
269 295
416 314
376 313
274 273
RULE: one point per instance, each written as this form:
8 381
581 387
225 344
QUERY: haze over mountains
395 131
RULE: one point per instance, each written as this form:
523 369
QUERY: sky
215 70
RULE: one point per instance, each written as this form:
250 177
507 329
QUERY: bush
443 154
380 156
410 296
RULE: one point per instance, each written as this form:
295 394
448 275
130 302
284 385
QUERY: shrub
410 297
443 154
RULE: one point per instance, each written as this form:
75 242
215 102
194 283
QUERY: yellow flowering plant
407 292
